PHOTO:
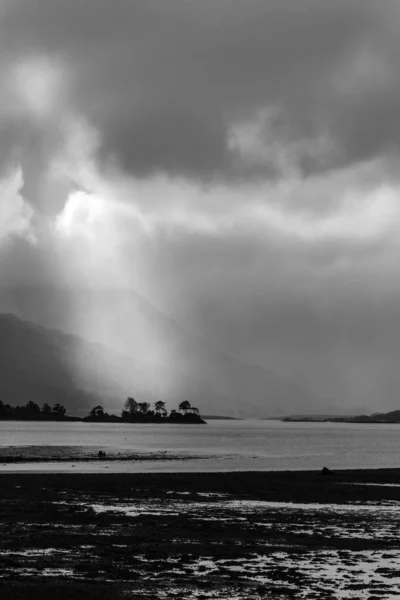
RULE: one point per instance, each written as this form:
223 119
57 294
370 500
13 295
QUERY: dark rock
326 471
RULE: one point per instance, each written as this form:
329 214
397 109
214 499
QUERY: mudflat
200 535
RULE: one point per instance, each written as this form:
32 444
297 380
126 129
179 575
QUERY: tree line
32 412
132 412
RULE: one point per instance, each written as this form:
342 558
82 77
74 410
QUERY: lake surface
219 445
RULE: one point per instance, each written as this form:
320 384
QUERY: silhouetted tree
188 409
97 412
9 411
59 410
131 406
6 411
143 407
184 406
159 408
32 408
46 409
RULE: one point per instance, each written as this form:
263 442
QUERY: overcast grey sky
235 161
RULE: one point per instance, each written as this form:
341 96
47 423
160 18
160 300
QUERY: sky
235 163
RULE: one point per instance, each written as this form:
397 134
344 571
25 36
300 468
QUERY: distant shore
360 420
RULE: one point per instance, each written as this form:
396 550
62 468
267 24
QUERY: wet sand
211 535
42 455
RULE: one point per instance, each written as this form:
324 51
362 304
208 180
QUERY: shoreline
69 459
339 420
152 469
118 461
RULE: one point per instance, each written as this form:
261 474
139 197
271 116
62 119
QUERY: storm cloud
235 162
169 84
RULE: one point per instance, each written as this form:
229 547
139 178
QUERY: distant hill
145 353
322 413
42 365
389 417
393 415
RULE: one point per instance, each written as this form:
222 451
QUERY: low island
389 417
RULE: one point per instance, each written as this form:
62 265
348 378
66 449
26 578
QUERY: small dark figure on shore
326 471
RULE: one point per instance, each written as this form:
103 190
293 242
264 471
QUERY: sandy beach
191 535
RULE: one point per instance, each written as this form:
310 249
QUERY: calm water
223 445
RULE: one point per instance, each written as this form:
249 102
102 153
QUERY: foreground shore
200 535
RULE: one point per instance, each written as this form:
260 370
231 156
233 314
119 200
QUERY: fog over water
191 183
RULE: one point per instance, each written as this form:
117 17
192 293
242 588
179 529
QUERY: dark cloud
164 82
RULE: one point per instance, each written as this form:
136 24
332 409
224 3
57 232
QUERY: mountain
43 365
142 352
